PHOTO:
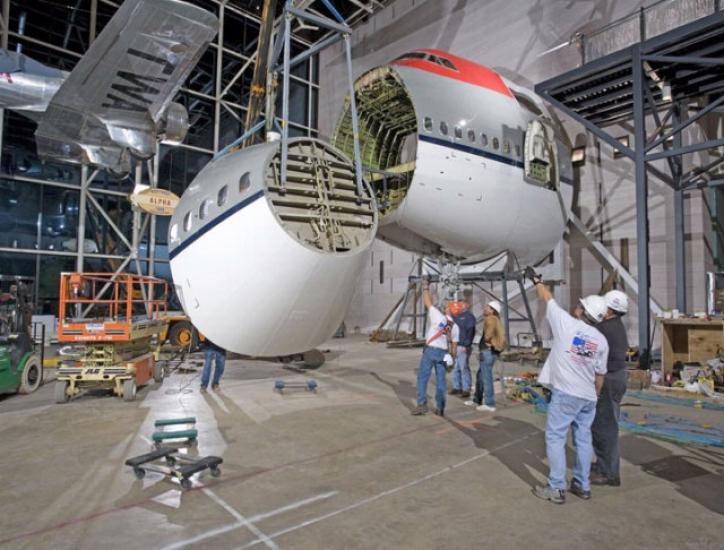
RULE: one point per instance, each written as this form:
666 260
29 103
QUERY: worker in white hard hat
492 342
606 470
441 341
574 372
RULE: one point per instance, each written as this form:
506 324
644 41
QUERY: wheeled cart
169 462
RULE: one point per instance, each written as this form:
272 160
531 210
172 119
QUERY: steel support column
80 238
642 208
679 221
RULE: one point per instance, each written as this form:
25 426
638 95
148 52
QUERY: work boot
439 412
419 410
598 479
471 403
202 389
556 496
455 391
464 394
485 408
215 387
577 489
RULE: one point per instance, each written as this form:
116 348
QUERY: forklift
114 321
21 367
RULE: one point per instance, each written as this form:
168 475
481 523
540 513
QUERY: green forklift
21 368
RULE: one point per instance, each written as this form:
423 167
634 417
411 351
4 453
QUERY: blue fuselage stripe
213 223
472 150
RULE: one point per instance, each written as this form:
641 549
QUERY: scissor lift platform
116 318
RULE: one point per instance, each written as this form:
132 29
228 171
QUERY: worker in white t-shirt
574 372
440 343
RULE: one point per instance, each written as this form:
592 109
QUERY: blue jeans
461 373
209 356
432 357
565 410
484 389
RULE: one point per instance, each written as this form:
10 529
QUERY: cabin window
222 195
428 124
244 182
458 132
496 143
174 232
471 135
506 147
443 128
187 221
484 140
204 208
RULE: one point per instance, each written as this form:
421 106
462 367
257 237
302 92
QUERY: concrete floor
347 467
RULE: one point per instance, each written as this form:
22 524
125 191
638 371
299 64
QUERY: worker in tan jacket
492 342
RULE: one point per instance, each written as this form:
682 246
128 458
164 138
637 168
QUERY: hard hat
456 307
617 301
496 305
595 307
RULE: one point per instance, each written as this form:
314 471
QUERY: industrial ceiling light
623 140
578 156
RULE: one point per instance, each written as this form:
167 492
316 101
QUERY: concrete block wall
513 38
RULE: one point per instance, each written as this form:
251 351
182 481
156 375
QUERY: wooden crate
690 340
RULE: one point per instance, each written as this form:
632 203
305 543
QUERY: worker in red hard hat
606 469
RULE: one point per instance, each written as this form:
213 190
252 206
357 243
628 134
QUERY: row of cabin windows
458 133
221 198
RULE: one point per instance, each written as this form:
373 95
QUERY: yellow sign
156 201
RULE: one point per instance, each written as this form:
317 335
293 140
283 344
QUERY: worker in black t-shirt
608 407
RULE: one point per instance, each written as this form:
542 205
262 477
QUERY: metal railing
647 22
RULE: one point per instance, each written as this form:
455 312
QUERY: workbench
690 340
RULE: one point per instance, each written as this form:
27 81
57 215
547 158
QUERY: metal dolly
190 434
309 385
177 466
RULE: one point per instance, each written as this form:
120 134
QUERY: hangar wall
512 38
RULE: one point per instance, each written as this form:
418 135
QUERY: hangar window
204 208
244 182
496 143
187 221
222 195
428 124
458 132
483 140
443 128
471 135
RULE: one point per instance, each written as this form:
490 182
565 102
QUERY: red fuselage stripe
476 75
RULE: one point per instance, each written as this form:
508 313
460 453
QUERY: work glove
449 361
532 275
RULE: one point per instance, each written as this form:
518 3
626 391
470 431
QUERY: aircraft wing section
118 94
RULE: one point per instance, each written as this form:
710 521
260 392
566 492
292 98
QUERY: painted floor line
254 519
389 492
241 519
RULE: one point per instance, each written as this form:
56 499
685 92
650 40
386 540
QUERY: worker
440 343
492 342
461 378
608 408
212 353
574 372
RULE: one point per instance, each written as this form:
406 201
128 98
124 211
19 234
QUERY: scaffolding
667 77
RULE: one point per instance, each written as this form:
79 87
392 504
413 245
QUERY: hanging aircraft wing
118 96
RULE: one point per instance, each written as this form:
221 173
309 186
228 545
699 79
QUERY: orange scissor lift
116 318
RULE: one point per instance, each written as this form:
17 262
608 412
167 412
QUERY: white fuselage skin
253 289
472 200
